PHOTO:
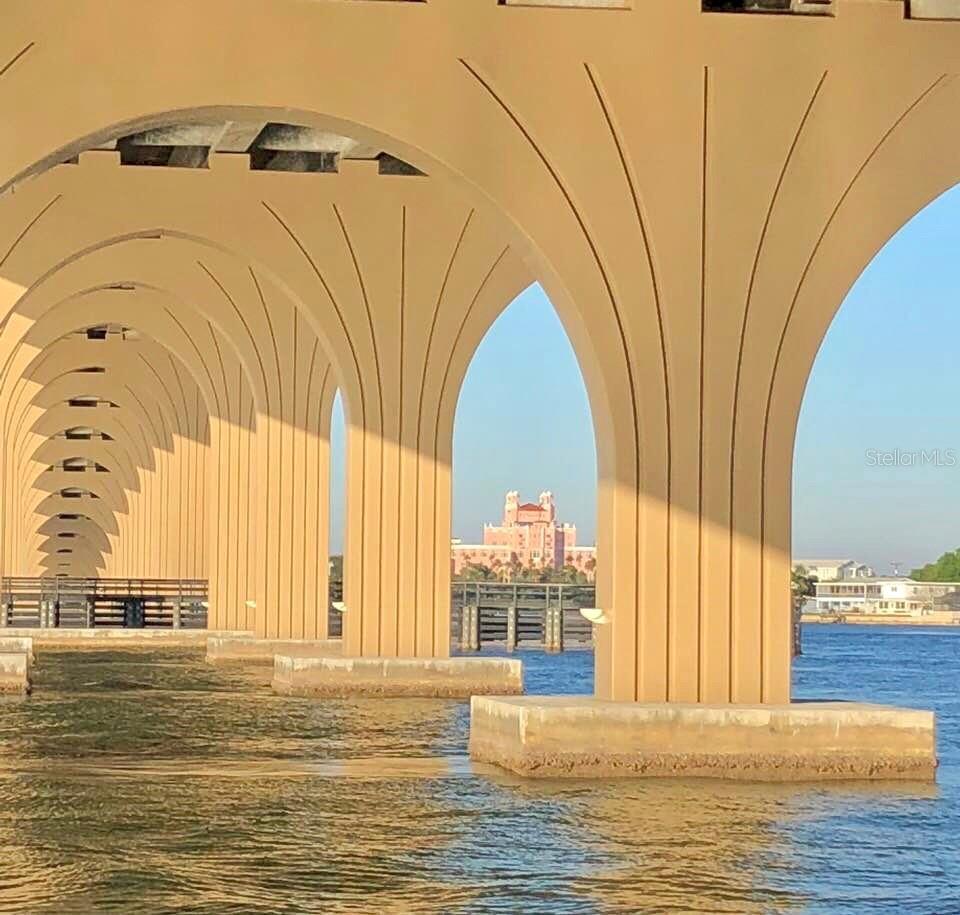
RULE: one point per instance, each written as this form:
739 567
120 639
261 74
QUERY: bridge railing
521 614
103 602
512 615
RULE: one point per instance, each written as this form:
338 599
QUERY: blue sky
887 378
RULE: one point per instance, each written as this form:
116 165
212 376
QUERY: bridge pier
573 736
14 672
18 644
256 650
446 678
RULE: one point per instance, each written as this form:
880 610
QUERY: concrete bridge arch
147 437
157 267
695 233
454 290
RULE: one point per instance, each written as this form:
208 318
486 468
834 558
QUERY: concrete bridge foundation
14 672
447 678
248 649
578 736
116 638
24 644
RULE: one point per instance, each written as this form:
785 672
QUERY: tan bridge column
292 481
230 488
231 491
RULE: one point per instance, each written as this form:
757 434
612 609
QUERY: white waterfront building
882 596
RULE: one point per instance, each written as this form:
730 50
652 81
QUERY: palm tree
802 586
571 575
475 571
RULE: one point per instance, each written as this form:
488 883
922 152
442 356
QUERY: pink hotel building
530 536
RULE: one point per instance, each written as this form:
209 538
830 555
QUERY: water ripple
154 783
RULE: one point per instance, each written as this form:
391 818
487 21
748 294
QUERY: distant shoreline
877 621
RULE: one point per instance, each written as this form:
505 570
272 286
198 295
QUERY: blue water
153 783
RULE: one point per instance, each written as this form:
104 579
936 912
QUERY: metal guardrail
103 602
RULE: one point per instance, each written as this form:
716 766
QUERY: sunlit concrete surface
17 644
221 649
454 678
547 736
14 672
934 9
96 638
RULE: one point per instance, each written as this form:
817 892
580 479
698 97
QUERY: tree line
514 571
946 568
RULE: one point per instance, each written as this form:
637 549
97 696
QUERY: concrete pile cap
115 635
452 678
14 672
399 667
249 648
582 736
16 644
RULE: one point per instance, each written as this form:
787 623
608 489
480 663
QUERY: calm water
149 783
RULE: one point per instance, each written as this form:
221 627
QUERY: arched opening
524 486
338 513
875 463
476 269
